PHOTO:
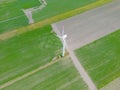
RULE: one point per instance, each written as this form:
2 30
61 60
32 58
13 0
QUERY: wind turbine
63 37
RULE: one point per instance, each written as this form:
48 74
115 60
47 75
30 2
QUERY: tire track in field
11 18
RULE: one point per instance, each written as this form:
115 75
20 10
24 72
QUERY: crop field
30 55
56 7
26 52
12 16
59 76
101 59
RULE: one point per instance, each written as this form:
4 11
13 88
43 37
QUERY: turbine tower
63 37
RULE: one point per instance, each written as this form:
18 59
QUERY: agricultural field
30 55
101 59
56 7
26 52
12 16
62 75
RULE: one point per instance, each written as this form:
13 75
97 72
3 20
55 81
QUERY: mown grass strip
34 26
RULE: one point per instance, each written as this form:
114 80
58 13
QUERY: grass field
28 4
59 76
56 7
12 16
26 52
101 59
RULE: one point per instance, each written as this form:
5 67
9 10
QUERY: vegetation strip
34 26
28 74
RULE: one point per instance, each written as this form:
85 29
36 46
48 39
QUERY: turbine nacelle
64 36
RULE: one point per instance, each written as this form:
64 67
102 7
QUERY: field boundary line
30 73
10 34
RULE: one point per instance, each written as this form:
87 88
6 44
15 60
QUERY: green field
26 52
101 59
56 7
12 16
28 4
59 76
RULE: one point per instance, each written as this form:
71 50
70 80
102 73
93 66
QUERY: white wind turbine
63 37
